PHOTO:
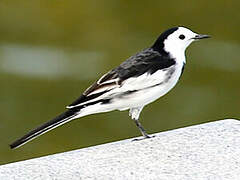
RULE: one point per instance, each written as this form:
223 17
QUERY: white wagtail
138 81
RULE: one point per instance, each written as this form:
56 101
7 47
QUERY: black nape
159 45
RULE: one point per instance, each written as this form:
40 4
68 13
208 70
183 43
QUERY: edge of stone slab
124 141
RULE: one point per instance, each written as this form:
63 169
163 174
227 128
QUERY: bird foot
142 138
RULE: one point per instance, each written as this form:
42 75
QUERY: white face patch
178 41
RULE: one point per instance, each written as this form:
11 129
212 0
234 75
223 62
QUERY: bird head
177 39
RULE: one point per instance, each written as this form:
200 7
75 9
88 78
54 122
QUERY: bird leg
134 113
142 130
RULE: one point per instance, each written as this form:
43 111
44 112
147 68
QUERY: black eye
181 37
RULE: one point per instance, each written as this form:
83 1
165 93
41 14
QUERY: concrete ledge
207 151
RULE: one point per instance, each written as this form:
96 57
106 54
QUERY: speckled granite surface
208 151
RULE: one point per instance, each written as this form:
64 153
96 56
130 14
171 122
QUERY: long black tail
57 121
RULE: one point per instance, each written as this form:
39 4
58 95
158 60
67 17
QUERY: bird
138 81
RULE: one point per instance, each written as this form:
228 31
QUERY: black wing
148 61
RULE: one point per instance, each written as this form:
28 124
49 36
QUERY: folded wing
131 75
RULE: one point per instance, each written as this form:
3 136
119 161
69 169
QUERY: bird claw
144 137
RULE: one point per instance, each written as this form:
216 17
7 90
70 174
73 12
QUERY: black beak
201 36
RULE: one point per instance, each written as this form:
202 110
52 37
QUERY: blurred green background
51 51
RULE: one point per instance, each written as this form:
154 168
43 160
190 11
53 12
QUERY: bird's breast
171 77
